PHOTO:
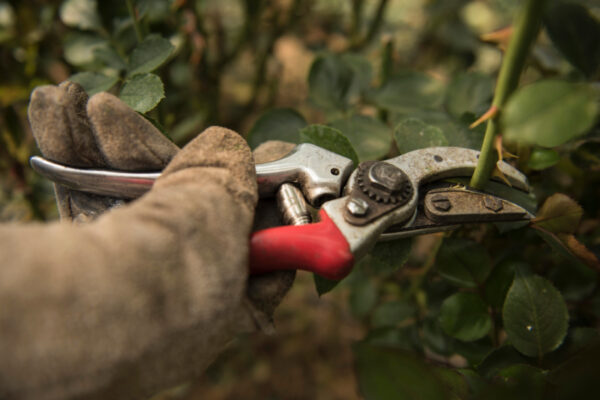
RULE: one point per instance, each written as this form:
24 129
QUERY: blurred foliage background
436 317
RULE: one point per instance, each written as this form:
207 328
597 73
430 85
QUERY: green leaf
435 338
387 257
541 158
392 313
82 14
278 124
363 73
149 55
370 137
324 285
557 245
567 245
463 262
469 93
456 131
330 82
80 48
464 316
474 352
330 139
549 113
413 134
587 156
94 82
575 32
400 338
363 297
535 315
525 376
109 57
153 10
559 214
499 359
575 281
408 91
456 385
499 281
577 377
143 92
188 127
388 373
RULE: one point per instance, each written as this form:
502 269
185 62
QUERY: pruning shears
400 197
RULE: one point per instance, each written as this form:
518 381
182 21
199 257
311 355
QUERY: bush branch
526 30
136 23
373 28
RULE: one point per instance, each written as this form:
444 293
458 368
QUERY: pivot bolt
441 202
357 207
387 177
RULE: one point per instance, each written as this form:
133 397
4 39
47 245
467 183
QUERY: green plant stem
373 28
136 23
387 66
429 263
526 30
357 13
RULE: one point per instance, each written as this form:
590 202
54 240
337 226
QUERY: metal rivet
357 207
441 202
492 203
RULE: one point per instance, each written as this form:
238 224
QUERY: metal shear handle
377 195
320 173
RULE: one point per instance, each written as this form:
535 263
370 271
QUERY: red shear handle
320 248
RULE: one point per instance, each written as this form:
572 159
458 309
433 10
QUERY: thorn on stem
498 174
500 37
489 114
502 152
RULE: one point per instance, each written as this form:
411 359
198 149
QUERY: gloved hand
145 296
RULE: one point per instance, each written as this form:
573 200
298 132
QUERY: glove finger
115 137
60 126
266 291
220 148
127 140
57 115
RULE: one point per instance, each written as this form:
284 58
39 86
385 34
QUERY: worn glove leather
142 297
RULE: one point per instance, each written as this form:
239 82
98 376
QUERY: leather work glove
142 297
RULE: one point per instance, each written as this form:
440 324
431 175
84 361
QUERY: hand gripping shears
400 197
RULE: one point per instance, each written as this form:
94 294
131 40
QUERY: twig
136 23
526 29
252 13
279 27
387 67
429 263
373 28
357 14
